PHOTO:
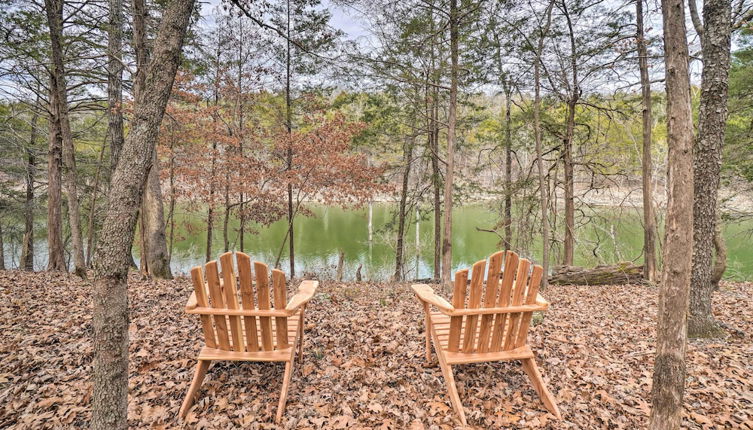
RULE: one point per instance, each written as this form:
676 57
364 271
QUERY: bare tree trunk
27 247
59 105
115 81
2 249
226 220
720 261
112 259
239 108
93 207
434 145
543 182
154 225
154 251
171 209
289 125
451 123
649 222
210 210
508 167
567 150
401 215
671 336
707 161
55 251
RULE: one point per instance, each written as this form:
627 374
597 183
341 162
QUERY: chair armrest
541 301
426 295
191 303
305 292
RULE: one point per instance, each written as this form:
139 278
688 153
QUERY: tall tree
27 247
402 212
649 222
112 259
451 137
671 336
61 128
543 181
154 244
115 80
573 95
715 35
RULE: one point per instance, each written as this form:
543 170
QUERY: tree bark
707 161
154 250
649 222
567 150
671 338
210 209
451 124
2 249
508 167
155 246
289 126
543 182
434 146
59 105
115 81
623 273
27 247
226 212
55 250
239 113
93 207
720 261
112 259
401 215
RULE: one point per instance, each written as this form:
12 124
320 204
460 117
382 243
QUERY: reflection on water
614 235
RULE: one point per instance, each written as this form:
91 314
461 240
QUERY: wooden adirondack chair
489 324
246 330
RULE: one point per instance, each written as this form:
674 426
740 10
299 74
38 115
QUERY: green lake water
612 235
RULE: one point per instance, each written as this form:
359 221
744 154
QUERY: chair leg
529 365
300 336
452 389
427 328
284 393
198 378
449 379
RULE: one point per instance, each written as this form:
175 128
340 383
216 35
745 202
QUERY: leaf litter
364 362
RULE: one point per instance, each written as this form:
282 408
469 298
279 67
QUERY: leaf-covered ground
364 365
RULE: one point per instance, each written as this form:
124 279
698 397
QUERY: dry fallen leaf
594 348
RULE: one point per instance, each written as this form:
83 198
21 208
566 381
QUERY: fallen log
617 274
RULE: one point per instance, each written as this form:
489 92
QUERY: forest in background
547 109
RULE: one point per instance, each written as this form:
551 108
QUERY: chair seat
284 354
441 324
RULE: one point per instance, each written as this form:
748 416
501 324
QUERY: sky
343 18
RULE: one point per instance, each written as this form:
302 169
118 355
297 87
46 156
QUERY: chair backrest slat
262 289
514 284
247 290
490 300
231 300
202 300
531 294
458 302
510 269
281 323
246 281
474 302
521 282
218 302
